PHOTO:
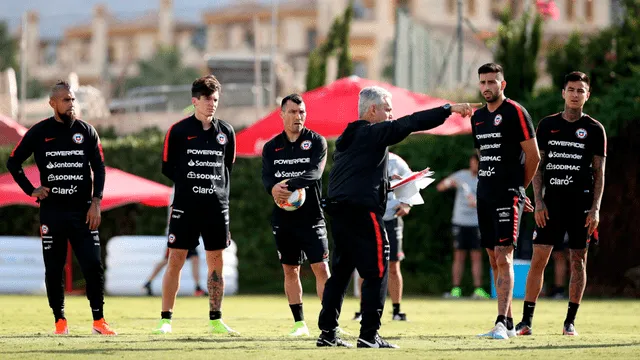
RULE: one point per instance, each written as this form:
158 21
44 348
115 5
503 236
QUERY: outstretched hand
465 109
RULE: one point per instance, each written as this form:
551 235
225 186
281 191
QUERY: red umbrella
120 188
10 131
330 108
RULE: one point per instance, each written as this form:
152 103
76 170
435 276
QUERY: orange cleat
101 327
61 327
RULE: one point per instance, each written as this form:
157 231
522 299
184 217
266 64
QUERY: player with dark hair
198 156
66 150
504 136
568 190
295 159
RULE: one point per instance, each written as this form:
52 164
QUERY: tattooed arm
593 219
541 215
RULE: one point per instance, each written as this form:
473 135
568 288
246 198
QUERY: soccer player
504 136
568 190
192 255
66 150
357 194
465 231
394 226
198 156
295 159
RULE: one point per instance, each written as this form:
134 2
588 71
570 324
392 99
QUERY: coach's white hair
372 95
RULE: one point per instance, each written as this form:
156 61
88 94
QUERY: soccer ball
296 199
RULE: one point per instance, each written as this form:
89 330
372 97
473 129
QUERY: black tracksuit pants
56 227
360 242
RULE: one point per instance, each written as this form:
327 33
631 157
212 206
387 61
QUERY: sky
55 15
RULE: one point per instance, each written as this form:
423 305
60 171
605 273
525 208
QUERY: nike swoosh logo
191 137
554 131
48 139
480 123
503 240
278 149
371 345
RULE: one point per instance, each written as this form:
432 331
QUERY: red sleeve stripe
165 149
14 149
523 123
100 150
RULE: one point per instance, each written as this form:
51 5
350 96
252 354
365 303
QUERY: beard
67 117
493 98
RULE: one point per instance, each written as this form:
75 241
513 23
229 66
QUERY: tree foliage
164 68
518 45
337 42
8 48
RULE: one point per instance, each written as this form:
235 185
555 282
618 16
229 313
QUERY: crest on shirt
306 145
172 238
222 138
78 138
497 120
45 229
581 133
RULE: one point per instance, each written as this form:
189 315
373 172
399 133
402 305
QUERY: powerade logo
489 136
292 161
64 153
204 152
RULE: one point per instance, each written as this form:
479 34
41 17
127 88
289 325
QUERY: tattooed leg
578 275
504 284
215 280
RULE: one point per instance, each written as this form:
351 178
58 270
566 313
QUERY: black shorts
565 217
190 253
466 237
394 230
299 243
186 225
499 219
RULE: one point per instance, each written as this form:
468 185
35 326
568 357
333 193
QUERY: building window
588 9
312 38
451 6
199 38
471 7
360 69
361 11
571 9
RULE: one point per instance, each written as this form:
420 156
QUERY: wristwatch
447 107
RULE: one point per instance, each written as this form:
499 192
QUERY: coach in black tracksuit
66 151
356 202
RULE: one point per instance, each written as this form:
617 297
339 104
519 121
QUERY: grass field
438 329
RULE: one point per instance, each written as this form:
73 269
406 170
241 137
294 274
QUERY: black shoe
325 340
523 329
376 343
147 286
399 317
357 316
569 330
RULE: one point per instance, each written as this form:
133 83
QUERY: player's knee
291 270
504 262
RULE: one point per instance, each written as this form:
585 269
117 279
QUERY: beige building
107 46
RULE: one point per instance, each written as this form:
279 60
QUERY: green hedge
427 239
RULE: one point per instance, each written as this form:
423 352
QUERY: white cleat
299 329
164 328
498 332
512 333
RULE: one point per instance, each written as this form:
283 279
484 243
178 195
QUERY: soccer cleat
163 328
325 340
569 330
341 332
219 327
523 329
357 316
499 332
456 292
399 317
102 328
299 329
199 292
147 288
512 333
376 343
61 327
479 293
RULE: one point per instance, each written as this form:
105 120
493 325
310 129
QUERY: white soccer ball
295 200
